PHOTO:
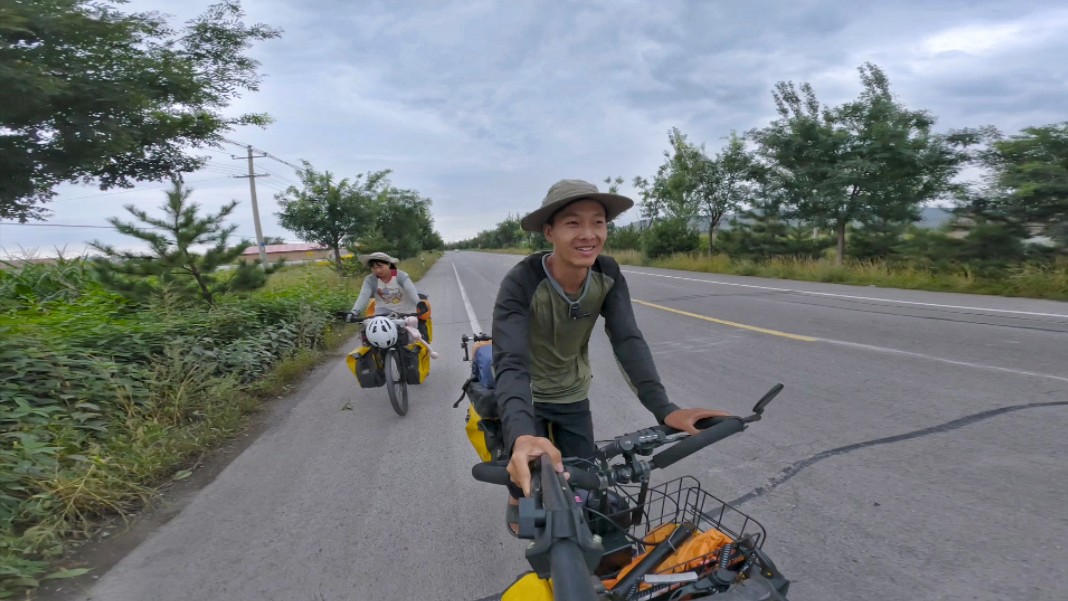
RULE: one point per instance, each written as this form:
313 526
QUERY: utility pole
252 175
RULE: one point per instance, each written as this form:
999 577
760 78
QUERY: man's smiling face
577 233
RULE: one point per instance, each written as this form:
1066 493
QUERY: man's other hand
685 419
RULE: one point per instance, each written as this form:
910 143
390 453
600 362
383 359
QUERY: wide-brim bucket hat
377 256
567 191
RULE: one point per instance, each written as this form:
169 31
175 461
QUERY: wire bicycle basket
723 536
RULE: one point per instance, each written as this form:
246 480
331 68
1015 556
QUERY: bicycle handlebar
562 535
468 338
726 427
481 336
491 472
495 472
713 430
567 565
351 317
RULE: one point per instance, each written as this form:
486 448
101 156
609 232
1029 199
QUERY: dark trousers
569 426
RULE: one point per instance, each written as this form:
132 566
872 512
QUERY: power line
211 167
243 235
263 152
73 225
284 178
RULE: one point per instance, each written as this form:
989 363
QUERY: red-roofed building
290 252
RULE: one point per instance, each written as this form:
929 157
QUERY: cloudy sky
481 105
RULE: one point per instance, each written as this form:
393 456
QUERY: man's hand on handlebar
686 419
526 449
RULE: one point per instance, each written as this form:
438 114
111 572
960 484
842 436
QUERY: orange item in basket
692 554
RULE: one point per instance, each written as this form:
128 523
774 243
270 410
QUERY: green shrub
623 238
665 238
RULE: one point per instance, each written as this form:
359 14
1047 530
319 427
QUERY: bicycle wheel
396 385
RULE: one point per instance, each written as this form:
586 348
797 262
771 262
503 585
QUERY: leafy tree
614 183
99 95
507 234
724 185
173 266
650 206
620 237
869 159
691 184
373 240
405 222
673 191
329 212
1032 169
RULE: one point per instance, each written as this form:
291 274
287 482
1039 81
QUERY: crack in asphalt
792 470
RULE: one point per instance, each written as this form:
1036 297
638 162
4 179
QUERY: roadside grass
1024 280
89 432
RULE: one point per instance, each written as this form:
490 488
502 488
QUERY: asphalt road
917 452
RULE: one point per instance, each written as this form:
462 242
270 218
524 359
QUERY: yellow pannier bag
529 588
481 424
416 361
365 366
476 434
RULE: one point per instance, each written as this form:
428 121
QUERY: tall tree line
855 177
364 213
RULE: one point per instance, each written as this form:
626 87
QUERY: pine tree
172 265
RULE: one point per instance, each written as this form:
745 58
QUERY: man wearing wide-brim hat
545 312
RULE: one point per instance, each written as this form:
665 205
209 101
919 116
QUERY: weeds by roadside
1025 280
103 402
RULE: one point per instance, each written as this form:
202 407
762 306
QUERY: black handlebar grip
581 478
491 473
685 448
707 422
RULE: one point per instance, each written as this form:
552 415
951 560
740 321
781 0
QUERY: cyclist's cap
377 256
567 191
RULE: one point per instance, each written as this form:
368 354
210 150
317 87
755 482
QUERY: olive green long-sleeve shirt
541 345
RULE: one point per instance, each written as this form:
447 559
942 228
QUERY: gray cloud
482 105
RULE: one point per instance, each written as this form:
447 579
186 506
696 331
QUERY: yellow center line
730 323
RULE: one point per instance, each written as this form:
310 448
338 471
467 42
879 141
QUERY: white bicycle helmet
381 332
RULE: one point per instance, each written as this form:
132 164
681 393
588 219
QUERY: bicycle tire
396 385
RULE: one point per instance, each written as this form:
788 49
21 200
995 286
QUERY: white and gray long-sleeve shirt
397 295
